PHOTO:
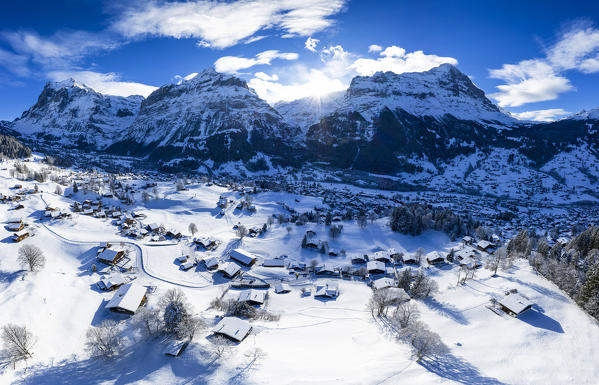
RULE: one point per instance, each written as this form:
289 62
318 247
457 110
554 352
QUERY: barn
244 257
233 328
127 299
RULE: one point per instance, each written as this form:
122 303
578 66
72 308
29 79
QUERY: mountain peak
437 92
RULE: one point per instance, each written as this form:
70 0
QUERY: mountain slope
72 113
211 116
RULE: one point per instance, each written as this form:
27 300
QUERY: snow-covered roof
230 268
282 288
242 256
329 289
233 327
375 265
383 283
252 295
128 298
484 244
516 303
108 254
275 262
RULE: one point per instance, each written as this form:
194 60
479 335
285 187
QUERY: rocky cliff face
212 116
74 114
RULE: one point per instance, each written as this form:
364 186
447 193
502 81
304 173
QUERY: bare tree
193 229
104 340
31 257
379 301
496 259
220 346
189 326
425 342
148 321
241 231
269 221
405 315
422 286
18 343
362 220
289 228
57 191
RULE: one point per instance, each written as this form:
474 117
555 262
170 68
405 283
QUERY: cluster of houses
18 228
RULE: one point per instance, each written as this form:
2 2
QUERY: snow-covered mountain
385 123
305 112
72 113
211 115
441 91
592 114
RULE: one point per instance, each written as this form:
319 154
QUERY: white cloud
266 77
62 48
574 48
232 64
17 64
374 48
105 83
527 82
223 24
542 79
313 83
395 59
254 39
337 68
541 115
311 43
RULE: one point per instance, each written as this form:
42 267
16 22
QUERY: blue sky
543 55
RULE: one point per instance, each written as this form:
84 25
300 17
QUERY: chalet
327 290
252 297
434 258
297 266
242 256
207 243
382 256
333 253
275 262
19 207
230 269
111 283
515 304
281 288
382 283
211 263
15 227
233 328
188 265
326 269
14 220
110 256
470 263
394 254
410 259
467 240
153 227
127 299
465 252
310 233
18 237
312 245
376 267
485 246
359 258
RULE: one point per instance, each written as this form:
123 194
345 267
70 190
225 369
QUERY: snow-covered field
314 342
